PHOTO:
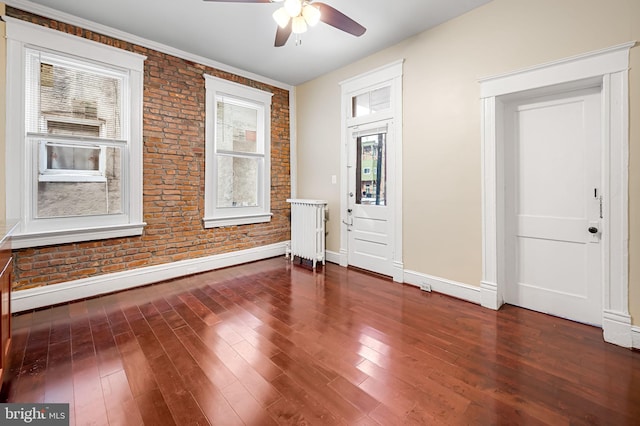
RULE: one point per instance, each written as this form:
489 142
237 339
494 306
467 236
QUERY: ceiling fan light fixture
281 16
298 25
311 14
293 7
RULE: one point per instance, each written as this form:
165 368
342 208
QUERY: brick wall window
173 167
238 145
76 143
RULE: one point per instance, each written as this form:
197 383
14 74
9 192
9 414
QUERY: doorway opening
608 70
371 164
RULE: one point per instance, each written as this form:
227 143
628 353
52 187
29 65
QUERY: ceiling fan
296 15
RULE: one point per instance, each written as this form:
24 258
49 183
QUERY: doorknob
593 230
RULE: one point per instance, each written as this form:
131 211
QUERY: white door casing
553 256
387 77
607 68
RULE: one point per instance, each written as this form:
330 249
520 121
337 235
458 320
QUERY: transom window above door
371 102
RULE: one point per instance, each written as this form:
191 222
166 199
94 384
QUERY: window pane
61 157
371 174
360 105
371 102
67 192
380 99
236 127
78 102
237 181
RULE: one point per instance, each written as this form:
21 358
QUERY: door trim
609 68
390 73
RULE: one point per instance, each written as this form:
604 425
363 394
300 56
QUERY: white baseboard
617 329
635 337
398 271
344 258
489 295
54 294
442 285
332 256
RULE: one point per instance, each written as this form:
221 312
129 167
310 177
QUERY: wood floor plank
184 408
136 366
271 343
30 386
121 406
109 360
243 403
211 400
216 371
19 339
317 386
88 399
310 408
59 379
261 363
356 396
257 385
153 409
200 309
284 412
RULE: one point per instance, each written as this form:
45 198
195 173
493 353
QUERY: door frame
609 69
390 74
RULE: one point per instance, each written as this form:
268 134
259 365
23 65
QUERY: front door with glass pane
368 212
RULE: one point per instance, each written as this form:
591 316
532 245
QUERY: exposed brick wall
173 191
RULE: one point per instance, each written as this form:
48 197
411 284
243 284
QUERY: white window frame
214 216
22 164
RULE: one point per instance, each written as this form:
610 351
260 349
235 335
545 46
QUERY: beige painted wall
441 176
3 67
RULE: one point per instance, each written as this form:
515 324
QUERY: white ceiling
242 35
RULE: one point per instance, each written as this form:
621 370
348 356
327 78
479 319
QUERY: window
237 175
371 102
77 140
371 159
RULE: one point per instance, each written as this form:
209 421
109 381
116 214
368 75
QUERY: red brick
173 181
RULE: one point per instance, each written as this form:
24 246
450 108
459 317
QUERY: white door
553 204
368 214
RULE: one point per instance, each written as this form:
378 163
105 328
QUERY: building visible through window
73 108
238 147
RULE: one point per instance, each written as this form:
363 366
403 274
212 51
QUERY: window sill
25 240
71 178
218 222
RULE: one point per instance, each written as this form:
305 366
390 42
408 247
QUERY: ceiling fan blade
339 20
282 35
240 1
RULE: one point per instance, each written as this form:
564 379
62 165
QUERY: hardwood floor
267 343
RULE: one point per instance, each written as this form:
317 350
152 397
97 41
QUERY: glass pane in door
371 170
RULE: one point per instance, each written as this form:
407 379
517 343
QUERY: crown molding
67 18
